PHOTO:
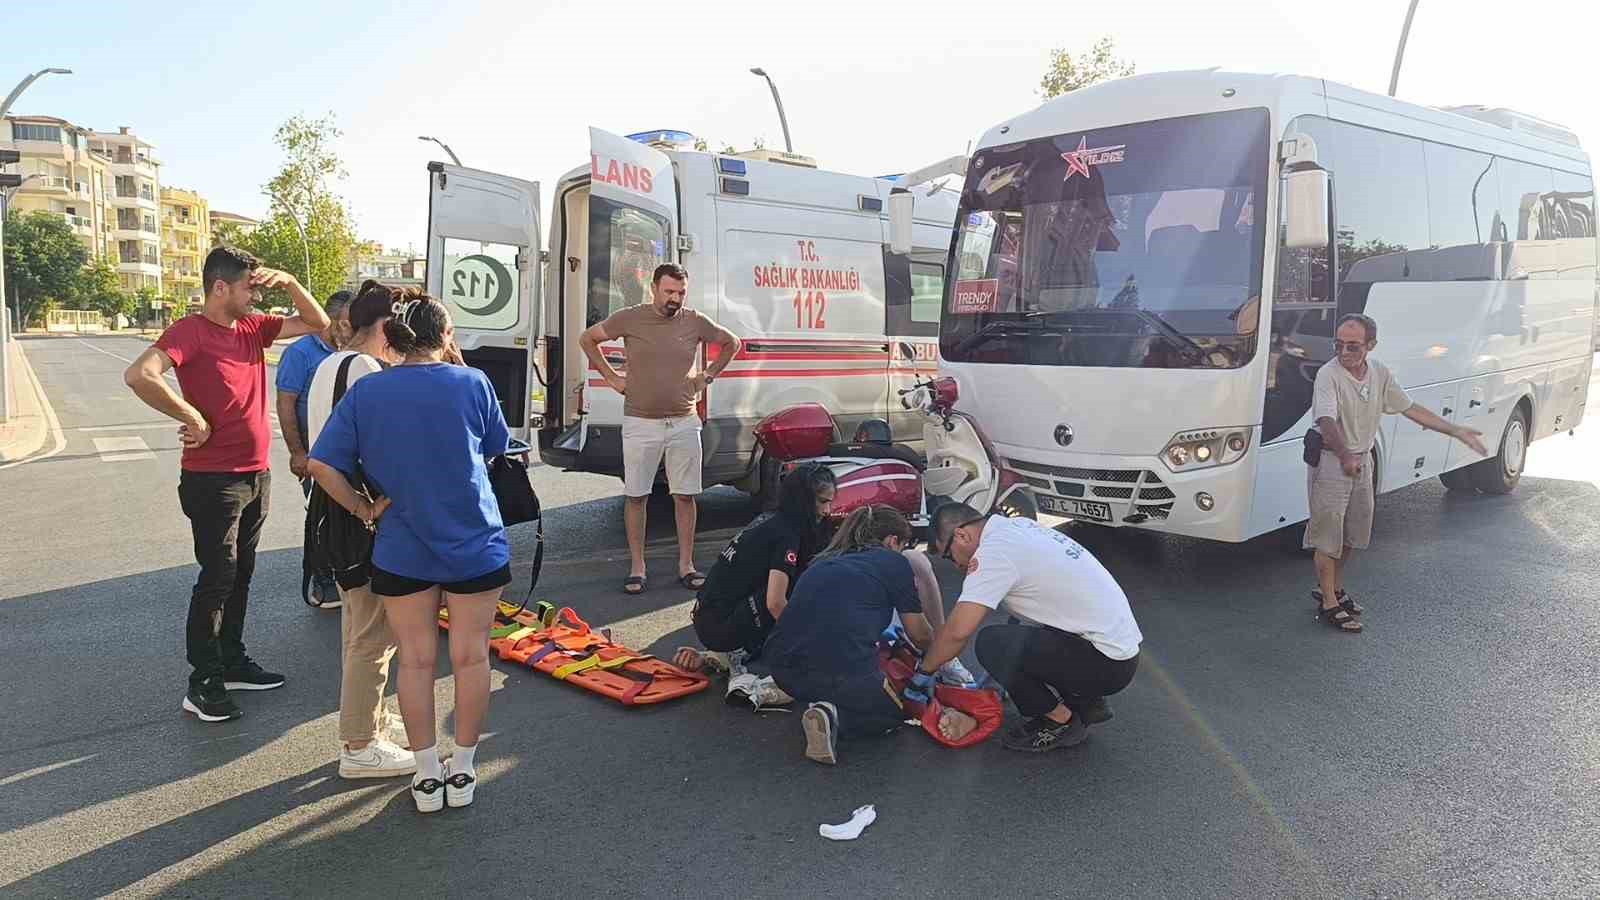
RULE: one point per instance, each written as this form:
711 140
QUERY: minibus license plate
1078 509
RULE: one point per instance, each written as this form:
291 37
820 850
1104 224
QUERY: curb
33 420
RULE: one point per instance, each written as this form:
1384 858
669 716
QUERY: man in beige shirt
1351 396
662 382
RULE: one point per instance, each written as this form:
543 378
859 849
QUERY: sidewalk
29 426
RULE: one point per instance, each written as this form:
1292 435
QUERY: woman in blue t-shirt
421 433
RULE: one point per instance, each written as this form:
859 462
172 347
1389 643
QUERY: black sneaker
1041 734
209 702
248 676
1094 712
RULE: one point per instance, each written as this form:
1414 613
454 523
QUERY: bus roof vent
1511 120
778 156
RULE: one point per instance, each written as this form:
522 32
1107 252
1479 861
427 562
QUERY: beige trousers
367 645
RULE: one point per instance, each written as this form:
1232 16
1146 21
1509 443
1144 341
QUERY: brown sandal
1339 619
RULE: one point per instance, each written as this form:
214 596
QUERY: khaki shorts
646 441
1341 507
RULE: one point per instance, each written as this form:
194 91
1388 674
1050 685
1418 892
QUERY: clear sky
869 87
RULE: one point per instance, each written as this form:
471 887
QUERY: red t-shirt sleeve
177 341
268 328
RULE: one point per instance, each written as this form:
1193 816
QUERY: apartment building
391 267
135 198
185 241
63 175
219 218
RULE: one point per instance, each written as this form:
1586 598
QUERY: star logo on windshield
1080 160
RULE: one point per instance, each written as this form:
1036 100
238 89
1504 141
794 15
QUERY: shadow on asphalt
1250 731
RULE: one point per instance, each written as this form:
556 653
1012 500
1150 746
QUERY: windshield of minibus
1135 246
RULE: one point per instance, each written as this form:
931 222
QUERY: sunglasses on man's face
950 541
1349 346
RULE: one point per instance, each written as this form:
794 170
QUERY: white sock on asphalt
462 760
428 764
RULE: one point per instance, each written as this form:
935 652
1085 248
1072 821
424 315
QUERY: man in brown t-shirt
663 379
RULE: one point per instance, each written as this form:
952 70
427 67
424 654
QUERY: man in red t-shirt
225 482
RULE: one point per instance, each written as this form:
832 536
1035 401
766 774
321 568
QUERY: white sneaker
428 793
458 786
379 759
954 673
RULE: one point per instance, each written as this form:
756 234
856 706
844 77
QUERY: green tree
301 189
140 302
42 260
1068 73
99 288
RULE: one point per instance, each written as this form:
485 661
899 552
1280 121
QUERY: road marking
122 449
59 440
147 426
24 776
116 356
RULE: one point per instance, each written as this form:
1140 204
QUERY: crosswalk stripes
122 449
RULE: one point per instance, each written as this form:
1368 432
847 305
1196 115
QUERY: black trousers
226 511
724 625
867 702
1040 667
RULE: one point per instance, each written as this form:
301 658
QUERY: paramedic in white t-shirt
1077 642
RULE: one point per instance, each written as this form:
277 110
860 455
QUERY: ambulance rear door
632 228
483 252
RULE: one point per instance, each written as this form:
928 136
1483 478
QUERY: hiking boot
1041 734
247 676
209 702
378 759
820 722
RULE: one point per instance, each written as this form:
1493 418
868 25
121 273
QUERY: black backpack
337 544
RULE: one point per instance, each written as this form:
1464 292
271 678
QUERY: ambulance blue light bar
663 136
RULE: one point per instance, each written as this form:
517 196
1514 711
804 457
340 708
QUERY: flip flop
630 583
692 580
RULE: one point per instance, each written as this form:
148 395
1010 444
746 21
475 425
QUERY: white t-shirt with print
1047 578
319 402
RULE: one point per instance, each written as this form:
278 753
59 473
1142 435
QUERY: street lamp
305 245
453 158
783 120
1400 51
5 316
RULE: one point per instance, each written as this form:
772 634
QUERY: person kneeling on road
749 586
824 649
1084 646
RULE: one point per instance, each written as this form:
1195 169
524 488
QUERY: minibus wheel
1500 474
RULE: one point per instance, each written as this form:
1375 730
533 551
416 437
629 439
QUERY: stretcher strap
544 651
593 661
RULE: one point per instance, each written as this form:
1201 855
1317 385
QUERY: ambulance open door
483 263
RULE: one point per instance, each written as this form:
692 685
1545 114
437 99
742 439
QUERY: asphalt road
1452 750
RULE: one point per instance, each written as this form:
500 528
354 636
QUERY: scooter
960 465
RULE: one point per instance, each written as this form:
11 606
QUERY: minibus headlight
1204 448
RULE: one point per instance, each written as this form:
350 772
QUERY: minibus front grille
1114 493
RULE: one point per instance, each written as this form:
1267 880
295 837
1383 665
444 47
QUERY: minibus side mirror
1305 199
900 208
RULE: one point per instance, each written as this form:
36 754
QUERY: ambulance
792 259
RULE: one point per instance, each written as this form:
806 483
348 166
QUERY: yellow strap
592 662
520 633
